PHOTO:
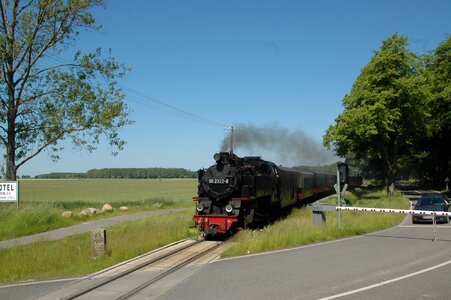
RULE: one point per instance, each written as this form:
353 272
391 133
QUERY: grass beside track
72 255
43 201
298 229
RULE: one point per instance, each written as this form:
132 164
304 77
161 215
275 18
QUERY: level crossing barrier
320 209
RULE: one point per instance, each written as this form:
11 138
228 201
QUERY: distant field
113 191
42 201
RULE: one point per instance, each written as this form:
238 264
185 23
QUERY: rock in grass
90 211
67 214
123 208
107 208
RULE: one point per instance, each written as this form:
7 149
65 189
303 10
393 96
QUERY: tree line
127 173
397 117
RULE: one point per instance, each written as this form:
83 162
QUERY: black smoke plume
291 148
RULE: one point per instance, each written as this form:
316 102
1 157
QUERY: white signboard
9 191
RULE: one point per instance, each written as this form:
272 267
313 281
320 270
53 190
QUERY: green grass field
72 255
73 192
43 201
299 229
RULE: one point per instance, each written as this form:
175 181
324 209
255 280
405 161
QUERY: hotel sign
9 191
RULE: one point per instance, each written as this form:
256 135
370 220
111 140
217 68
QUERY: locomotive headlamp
217 157
229 208
200 207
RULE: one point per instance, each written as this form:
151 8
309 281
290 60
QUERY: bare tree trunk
390 158
11 169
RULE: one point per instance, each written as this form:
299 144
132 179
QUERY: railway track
149 275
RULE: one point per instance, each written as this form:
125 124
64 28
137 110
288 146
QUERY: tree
43 102
384 112
437 158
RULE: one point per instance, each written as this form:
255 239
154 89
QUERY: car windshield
430 201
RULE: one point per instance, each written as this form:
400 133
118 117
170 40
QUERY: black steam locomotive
239 192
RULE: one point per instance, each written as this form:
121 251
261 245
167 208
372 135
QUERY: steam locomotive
240 192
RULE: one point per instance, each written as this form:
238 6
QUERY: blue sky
268 64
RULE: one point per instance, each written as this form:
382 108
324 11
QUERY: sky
279 69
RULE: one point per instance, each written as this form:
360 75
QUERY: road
400 263
386 263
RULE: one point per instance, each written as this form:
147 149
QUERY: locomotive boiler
240 192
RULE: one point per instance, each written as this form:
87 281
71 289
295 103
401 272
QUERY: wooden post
98 238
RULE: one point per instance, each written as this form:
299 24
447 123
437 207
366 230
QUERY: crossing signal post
343 169
342 180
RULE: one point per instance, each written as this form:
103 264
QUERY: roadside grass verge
71 256
298 228
43 201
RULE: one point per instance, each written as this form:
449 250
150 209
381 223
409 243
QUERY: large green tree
384 112
437 146
45 99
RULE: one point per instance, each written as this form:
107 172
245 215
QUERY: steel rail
129 271
166 273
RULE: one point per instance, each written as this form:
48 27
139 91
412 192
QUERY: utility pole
232 130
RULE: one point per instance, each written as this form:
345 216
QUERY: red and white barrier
395 211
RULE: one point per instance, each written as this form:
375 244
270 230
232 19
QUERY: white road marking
386 282
429 226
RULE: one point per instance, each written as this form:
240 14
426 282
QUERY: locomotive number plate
219 180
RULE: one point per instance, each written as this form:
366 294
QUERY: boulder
67 214
107 208
88 211
92 210
123 208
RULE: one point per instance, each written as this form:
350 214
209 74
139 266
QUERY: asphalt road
400 263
